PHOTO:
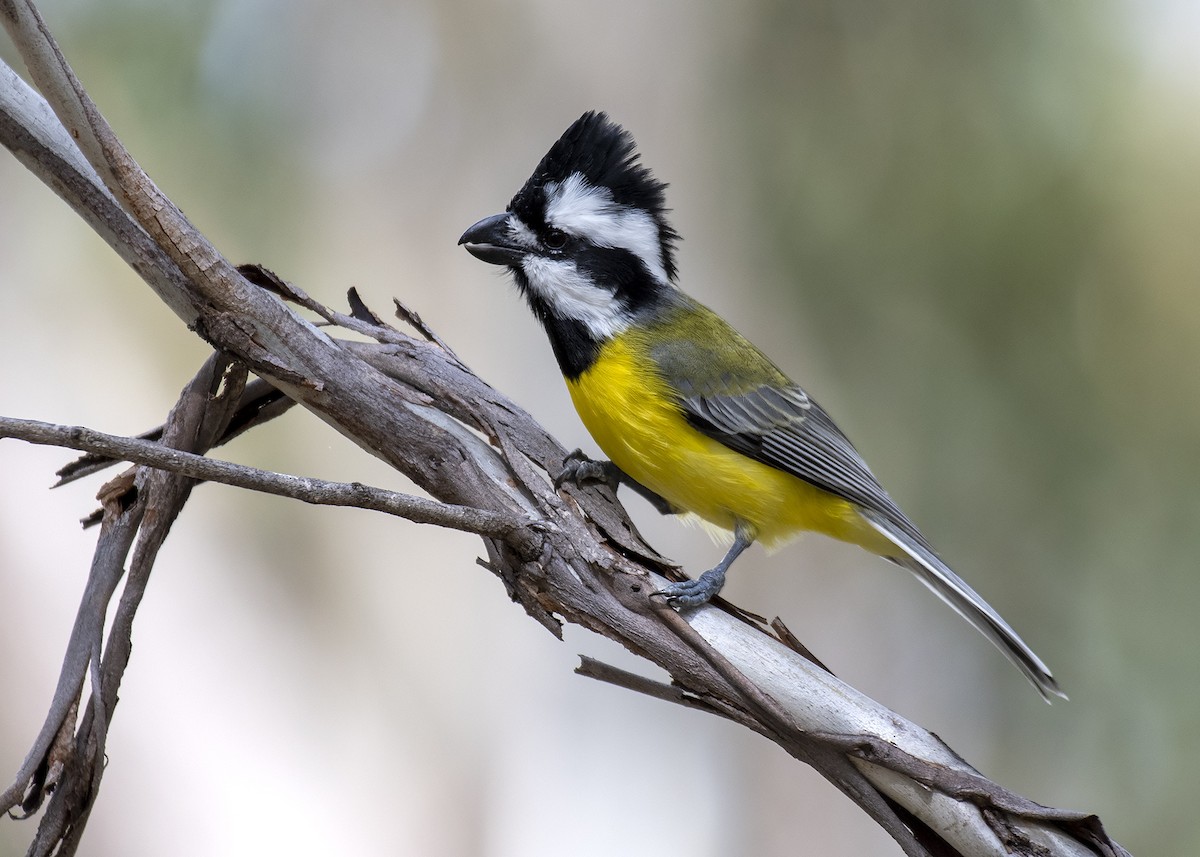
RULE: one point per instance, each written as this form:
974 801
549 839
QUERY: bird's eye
556 239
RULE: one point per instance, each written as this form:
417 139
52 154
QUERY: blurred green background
967 228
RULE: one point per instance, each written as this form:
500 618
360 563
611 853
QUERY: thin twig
259 403
265 278
592 668
607 673
319 492
418 324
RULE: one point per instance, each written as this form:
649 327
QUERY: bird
690 413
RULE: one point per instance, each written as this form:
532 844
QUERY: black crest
606 155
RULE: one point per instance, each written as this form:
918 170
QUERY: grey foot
578 469
692 593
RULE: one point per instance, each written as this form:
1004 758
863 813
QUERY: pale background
968 229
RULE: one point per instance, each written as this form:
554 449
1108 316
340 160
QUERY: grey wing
780 426
784 428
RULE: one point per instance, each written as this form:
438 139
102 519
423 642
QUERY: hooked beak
489 241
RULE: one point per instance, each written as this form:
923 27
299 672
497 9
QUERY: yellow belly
632 416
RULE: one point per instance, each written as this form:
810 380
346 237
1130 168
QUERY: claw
693 593
578 469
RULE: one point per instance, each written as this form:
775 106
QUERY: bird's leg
691 593
578 469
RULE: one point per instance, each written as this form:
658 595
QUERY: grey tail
918 558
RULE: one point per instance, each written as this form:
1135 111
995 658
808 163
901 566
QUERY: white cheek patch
578 208
572 295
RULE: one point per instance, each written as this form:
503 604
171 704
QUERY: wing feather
734 394
784 428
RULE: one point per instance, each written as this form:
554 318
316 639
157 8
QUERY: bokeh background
968 228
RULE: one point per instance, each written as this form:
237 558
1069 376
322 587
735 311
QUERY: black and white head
586 238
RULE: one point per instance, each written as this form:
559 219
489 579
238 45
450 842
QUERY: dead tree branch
409 401
319 492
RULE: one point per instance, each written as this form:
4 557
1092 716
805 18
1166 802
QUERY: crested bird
691 415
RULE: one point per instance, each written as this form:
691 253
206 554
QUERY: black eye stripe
625 272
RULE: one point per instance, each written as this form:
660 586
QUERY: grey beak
489 241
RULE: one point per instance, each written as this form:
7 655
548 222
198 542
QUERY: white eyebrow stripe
573 295
582 209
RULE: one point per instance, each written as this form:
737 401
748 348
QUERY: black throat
574 346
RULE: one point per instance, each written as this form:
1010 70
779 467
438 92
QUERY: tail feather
918 558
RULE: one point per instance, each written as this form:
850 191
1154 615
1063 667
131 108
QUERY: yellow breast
632 415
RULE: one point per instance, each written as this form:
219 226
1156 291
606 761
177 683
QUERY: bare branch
108 566
31 132
319 492
153 499
259 403
592 668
